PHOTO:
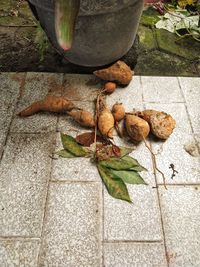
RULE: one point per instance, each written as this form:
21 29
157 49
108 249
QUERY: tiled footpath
56 212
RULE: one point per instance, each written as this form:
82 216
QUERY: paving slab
161 89
139 221
19 253
9 93
130 96
180 213
172 151
75 169
191 91
81 87
25 171
72 231
37 86
134 255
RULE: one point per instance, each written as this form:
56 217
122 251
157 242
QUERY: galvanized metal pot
105 29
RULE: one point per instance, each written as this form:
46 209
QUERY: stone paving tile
9 93
72 231
134 255
130 96
172 151
19 253
74 169
191 90
37 86
10 85
133 222
65 123
181 213
161 89
77 87
137 221
25 170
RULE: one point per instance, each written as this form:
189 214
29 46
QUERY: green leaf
70 144
116 164
115 186
136 166
130 177
66 12
65 154
125 150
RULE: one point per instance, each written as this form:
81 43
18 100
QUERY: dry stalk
155 168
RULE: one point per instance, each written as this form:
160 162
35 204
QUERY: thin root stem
155 168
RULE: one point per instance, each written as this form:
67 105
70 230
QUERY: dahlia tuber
161 123
105 119
118 112
50 103
110 87
137 128
83 117
118 72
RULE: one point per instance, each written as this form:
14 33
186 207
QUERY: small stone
192 149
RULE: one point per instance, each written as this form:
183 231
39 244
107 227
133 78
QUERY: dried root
137 128
83 117
118 72
50 103
105 119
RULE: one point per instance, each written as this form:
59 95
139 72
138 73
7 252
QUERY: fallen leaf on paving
65 154
70 144
115 186
129 177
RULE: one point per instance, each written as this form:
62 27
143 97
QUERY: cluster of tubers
138 125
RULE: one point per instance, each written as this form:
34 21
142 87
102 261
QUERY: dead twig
155 168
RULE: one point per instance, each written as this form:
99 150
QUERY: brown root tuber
162 125
83 117
118 111
137 128
110 87
50 103
146 114
118 72
105 119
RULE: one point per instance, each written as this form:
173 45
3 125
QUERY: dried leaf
130 177
116 150
115 186
136 166
70 144
104 153
65 154
87 139
117 164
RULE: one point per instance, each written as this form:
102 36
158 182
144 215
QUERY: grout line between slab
159 206
21 88
185 102
19 238
197 184
133 241
47 191
73 182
